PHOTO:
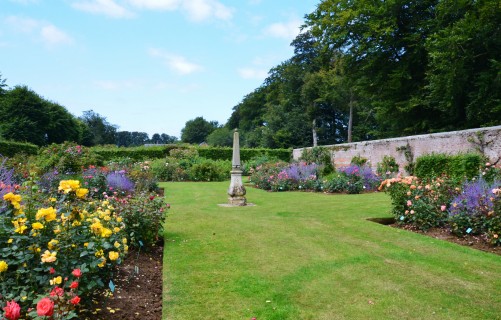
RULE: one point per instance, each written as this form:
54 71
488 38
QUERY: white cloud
253 73
177 63
156 4
49 34
107 7
196 10
21 24
52 36
286 30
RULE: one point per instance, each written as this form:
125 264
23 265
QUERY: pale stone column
236 191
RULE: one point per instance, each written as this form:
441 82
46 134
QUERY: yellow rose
119 219
52 243
10 240
37 226
113 255
96 227
56 280
52 199
116 229
48 256
106 233
103 263
82 192
117 244
99 253
3 266
49 214
68 185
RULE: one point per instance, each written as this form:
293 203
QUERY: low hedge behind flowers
56 250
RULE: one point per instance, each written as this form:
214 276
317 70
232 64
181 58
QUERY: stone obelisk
236 191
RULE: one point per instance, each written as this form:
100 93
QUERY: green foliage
11 148
221 153
220 137
387 167
66 158
209 170
110 153
144 216
455 166
100 131
196 131
319 155
358 160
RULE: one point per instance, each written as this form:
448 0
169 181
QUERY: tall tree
101 131
197 130
23 116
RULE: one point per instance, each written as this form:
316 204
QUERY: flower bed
464 208
61 246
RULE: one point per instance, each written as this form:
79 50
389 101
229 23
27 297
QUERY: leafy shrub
250 165
419 203
335 183
143 215
65 158
209 170
320 156
359 161
458 166
388 167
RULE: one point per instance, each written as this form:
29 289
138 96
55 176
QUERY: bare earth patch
138 289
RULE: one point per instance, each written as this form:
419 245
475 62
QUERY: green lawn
313 256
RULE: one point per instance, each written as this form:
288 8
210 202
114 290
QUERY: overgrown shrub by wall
455 166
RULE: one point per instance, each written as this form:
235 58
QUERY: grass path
313 256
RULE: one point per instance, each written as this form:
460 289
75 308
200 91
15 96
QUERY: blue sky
146 65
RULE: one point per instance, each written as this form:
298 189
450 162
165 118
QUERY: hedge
222 153
11 148
455 166
135 153
213 153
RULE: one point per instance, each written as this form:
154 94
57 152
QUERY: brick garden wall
484 140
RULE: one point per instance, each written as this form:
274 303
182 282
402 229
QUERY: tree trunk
350 120
314 132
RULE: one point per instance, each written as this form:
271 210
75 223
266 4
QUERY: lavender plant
7 183
473 210
117 181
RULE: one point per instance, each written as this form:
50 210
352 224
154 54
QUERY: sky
147 65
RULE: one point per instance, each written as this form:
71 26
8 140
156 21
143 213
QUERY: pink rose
77 273
443 207
12 310
45 307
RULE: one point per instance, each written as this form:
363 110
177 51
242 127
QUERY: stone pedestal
236 191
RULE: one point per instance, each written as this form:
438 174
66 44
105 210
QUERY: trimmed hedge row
222 153
135 153
213 153
455 166
11 148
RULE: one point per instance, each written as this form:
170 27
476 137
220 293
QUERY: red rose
77 273
75 300
74 285
52 270
12 310
45 307
57 292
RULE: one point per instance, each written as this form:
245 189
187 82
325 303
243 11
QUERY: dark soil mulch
138 289
476 242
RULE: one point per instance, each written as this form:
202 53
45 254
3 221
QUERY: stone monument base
237 201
